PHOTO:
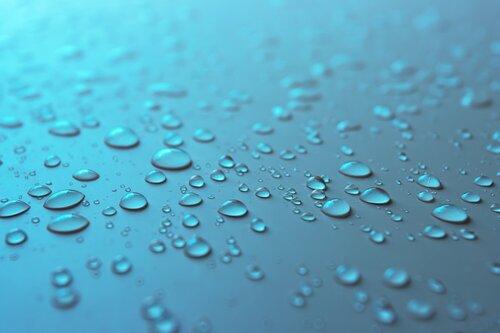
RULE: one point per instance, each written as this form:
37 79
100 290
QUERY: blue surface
280 95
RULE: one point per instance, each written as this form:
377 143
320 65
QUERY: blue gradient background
211 48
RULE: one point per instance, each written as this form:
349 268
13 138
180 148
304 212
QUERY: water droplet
15 237
429 181
384 312
263 193
316 183
121 265
172 140
218 175
226 161
133 201
197 247
435 232
190 221
13 208
396 277
157 246
336 208
68 224
258 225
233 208
52 161
39 191
64 199
61 277
64 128
347 275
355 169
196 181
86 175
203 135
109 211
377 237
65 298
171 159
483 181
155 177
254 273
375 196
471 197
420 310
450 213
468 234
122 138
425 196
190 199
436 286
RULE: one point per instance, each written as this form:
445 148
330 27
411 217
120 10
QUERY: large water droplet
336 208
39 191
197 247
15 237
133 201
429 181
64 199
190 221
64 128
13 208
86 175
347 275
68 224
420 310
435 232
375 196
483 181
155 177
65 298
471 197
121 265
190 199
233 208
122 138
355 169
450 213
254 273
316 183
171 159
396 277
